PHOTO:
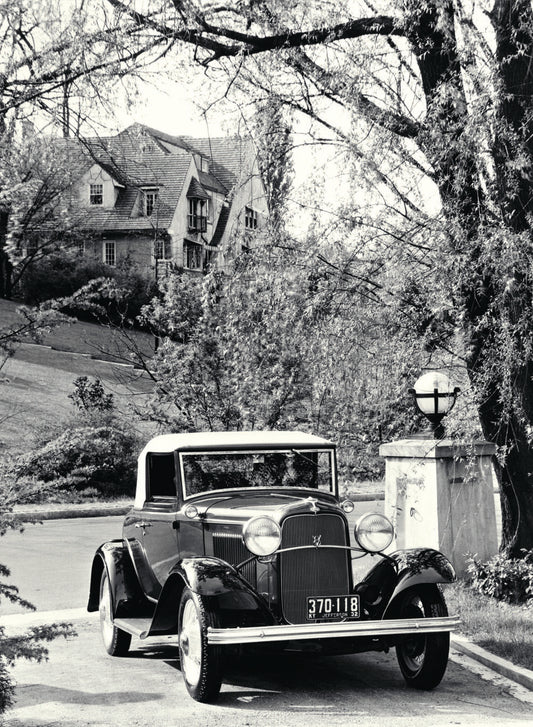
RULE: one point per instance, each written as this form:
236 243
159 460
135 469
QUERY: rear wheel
423 658
116 641
200 662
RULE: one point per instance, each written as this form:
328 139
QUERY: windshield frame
333 491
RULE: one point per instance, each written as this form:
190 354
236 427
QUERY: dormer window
150 201
250 218
96 194
197 217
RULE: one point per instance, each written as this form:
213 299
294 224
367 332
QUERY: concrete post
440 494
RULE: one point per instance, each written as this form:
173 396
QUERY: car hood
232 507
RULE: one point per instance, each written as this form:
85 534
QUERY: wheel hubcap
191 644
104 608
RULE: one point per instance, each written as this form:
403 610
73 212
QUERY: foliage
278 345
505 579
90 396
272 135
91 454
60 274
176 311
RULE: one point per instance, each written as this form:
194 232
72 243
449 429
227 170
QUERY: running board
345 629
139 627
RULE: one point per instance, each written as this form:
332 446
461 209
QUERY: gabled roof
140 157
196 190
227 155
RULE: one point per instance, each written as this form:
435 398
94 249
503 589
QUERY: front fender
230 598
399 571
126 594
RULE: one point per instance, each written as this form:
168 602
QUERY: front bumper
344 629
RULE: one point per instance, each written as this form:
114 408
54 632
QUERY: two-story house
156 199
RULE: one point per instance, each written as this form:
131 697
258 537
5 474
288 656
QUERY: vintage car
239 538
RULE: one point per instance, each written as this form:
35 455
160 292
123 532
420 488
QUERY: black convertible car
239 538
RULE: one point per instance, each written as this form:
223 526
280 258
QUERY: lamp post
435 397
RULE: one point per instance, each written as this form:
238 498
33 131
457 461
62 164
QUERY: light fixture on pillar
435 397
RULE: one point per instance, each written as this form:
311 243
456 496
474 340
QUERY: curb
71 513
504 668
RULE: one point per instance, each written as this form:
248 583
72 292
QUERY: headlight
374 532
261 535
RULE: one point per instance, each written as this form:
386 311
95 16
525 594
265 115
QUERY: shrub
96 455
61 274
503 578
90 396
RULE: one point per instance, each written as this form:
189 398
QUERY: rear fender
229 596
399 571
127 597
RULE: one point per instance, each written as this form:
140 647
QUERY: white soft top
166 443
213 440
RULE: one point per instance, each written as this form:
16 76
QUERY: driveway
80 685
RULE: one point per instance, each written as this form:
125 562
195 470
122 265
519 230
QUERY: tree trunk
6 268
506 409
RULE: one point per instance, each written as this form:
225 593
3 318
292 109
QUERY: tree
446 90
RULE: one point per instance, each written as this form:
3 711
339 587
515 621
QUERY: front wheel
423 658
116 641
200 662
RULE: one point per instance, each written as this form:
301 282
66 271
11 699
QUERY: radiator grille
316 571
229 547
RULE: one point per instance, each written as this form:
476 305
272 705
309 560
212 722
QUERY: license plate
332 607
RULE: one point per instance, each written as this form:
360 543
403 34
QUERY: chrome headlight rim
251 535
363 535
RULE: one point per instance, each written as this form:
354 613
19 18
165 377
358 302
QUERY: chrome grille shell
317 571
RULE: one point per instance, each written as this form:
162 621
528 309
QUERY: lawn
36 382
98 341
502 629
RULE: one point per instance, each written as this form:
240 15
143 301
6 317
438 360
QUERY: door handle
143 525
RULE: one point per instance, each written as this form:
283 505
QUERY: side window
161 473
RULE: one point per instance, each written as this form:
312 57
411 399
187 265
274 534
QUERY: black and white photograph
266 363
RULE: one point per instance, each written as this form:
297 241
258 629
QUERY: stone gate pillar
440 494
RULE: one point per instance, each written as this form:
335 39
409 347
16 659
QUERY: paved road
50 563
80 686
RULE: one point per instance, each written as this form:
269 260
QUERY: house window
250 218
150 201
162 249
197 217
110 253
192 254
96 194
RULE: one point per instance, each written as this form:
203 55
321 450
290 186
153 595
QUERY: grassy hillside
36 381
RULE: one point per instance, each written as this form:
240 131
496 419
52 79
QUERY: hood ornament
313 504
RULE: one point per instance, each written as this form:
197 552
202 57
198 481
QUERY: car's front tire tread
204 686
423 658
116 641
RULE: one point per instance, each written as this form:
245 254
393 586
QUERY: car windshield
206 471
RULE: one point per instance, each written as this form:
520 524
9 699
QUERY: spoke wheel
200 663
116 641
423 658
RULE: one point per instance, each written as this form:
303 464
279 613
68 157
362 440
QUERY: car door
152 528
